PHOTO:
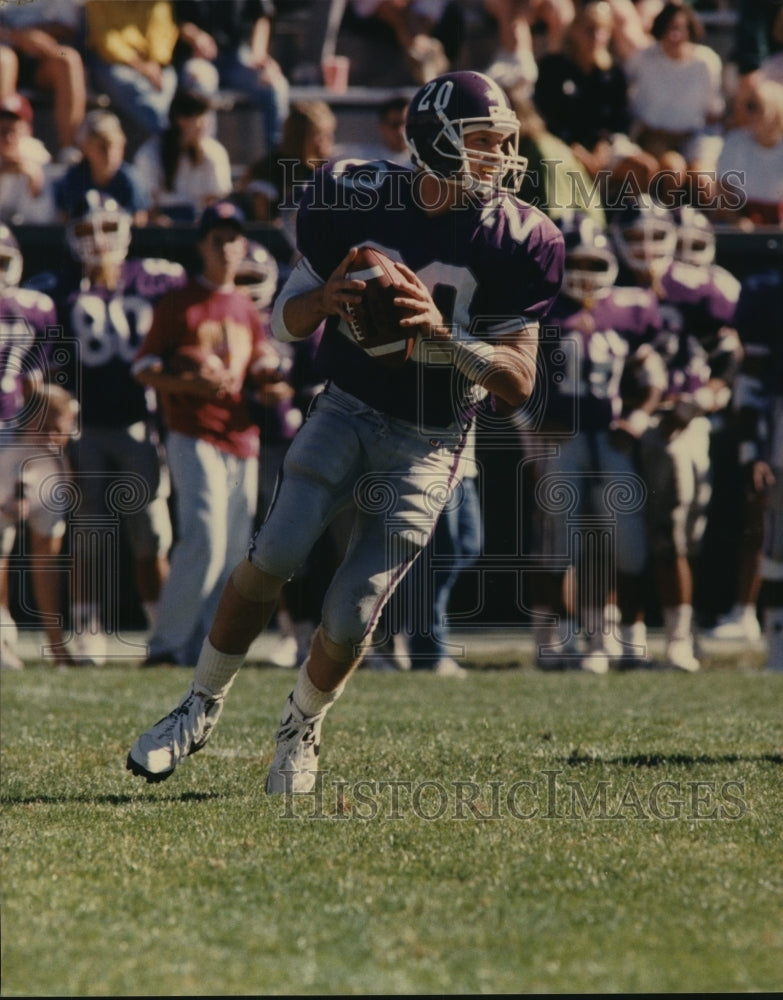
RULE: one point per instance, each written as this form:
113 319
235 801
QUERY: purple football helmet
447 109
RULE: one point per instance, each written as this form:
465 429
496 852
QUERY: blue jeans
132 95
271 99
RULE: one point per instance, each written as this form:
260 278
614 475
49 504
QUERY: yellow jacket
121 32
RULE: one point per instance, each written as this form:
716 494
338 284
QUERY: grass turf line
203 885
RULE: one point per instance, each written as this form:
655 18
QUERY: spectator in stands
772 65
752 158
515 61
270 185
25 195
183 168
414 23
582 92
46 37
129 57
676 93
9 71
102 141
554 180
389 143
234 35
758 47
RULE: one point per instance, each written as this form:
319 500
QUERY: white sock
747 611
773 633
309 699
215 671
10 633
150 613
677 622
634 639
86 617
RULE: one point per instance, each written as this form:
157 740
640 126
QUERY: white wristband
473 357
638 421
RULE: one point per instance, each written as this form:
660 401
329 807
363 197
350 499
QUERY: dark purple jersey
585 351
25 345
760 383
489 268
698 306
109 327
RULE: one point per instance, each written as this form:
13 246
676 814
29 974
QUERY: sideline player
587 445
482 268
36 421
701 351
106 305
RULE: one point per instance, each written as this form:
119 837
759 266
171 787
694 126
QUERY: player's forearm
300 316
508 370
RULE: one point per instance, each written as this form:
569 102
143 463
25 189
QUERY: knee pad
346 624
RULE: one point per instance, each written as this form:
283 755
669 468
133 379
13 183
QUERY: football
193 358
375 320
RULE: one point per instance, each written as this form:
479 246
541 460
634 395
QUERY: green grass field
516 832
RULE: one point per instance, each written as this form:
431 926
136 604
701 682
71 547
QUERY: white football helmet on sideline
258 275
11 262
695 237
100 231
590 262
645 238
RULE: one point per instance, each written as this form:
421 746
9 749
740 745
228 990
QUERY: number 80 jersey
109 326
491 268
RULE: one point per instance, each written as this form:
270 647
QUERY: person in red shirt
206 349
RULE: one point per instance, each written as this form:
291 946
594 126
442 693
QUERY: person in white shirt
751 161
675 91
184 169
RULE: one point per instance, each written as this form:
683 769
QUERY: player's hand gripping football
340 293
422 313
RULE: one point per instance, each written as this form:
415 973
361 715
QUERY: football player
480 270
590 430
34 429
106 306
701 350
696 246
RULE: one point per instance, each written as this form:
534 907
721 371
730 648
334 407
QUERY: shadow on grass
575 758
106 800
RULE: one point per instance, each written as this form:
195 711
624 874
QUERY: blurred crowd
621 90
615 98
